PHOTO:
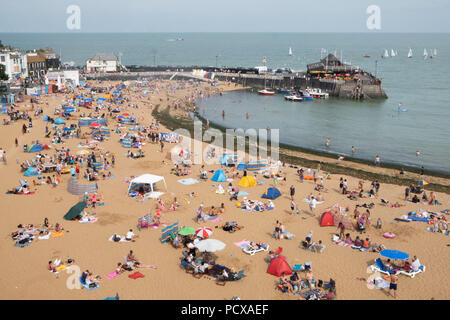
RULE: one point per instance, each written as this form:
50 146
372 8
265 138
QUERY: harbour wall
348 89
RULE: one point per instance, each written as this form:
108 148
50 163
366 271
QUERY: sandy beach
25 274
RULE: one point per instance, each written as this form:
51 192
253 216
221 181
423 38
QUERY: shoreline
294 155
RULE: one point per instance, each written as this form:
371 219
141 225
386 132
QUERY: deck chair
252 251
379 266
144 222
412 273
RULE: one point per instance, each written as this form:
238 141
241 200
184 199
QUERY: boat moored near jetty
266 92
285 91
293 97
317 93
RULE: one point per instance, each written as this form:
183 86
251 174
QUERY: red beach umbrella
203 232
95 125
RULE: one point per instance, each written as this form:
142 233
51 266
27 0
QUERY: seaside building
41 61
15 64
103 62
61 80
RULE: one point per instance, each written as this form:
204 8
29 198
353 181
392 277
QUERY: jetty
329 74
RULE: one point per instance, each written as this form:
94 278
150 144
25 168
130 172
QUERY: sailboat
290 51
386 53
410 53
425 54
435 53
392 53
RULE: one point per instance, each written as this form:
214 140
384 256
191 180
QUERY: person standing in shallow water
377 161
327 142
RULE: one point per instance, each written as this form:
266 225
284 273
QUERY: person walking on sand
292 192
393 284
16 142
162 145
292 207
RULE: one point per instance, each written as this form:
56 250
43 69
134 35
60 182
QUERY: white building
62 79
15 63
102 62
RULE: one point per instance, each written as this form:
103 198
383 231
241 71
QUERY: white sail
392 53
425 53
290 51
435 52
410 53
386 53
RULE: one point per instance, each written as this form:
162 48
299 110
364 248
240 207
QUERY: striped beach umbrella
203 232
423 182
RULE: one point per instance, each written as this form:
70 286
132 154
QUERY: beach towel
242 244
215 219
122 239
136 275
242 193
86 286
88 219
113 298
57 234
45 237
112 275
188 181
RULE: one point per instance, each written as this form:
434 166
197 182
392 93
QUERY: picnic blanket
342 243
188 181
88 219
57 234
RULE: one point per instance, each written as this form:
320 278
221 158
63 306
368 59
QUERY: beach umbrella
125 114
95 125
210 245
83 152
423 182
116 91
185 231
67 129
75 211
203 232
394 254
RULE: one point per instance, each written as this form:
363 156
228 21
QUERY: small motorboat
266 92
284 91
293 97
316 93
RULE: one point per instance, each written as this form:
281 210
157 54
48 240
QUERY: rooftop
104 56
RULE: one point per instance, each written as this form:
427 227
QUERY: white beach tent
149 179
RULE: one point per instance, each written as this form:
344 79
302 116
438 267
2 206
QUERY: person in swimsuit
278 230
393 284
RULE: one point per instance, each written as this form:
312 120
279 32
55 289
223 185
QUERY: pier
330 75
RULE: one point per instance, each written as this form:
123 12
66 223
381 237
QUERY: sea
415 117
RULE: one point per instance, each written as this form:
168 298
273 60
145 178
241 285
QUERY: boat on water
293 97
393 53
425 54
284 91
386 54
410 53
317 93
290 51
266 92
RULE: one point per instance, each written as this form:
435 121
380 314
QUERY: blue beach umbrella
394 254
116 91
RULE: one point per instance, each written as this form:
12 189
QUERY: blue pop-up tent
219 176
271 193
60 121
31 172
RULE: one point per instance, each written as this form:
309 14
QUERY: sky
225 16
